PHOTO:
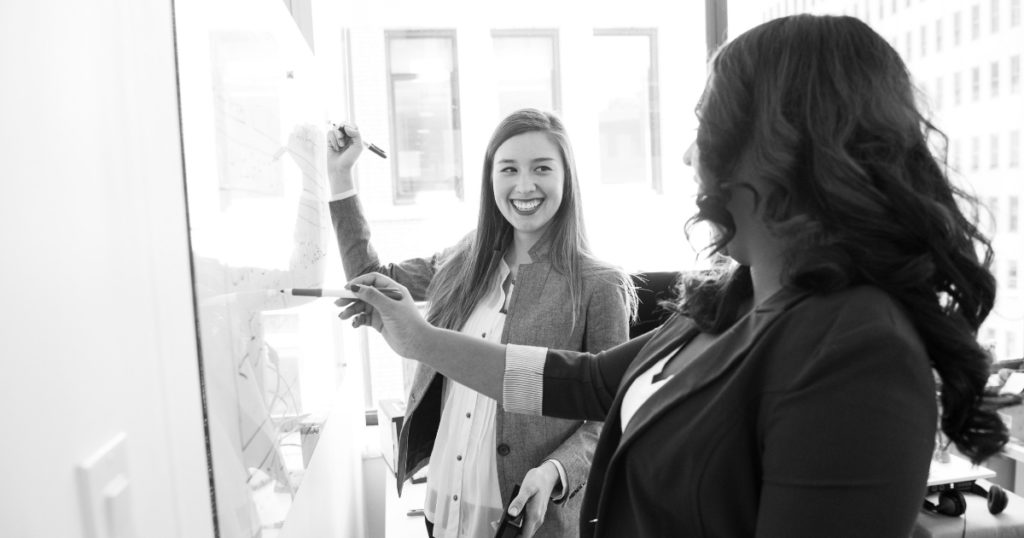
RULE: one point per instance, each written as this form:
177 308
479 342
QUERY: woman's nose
525 183
688 156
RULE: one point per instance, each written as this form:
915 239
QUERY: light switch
104 490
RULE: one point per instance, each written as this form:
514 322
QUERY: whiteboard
253 123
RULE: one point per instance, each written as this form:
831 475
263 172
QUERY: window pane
525 72
624 108
424 120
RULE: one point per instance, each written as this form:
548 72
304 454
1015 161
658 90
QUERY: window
993 153
909 47
956 88
956 28
975 153
627 107
955 160
1014 13
424 104
1011 278
1014 153
975 84
938 35
975 21
1015 74
994 70
994 15
526 70
938 93
924 40
1013 214
993 209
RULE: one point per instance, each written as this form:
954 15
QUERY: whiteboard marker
392 293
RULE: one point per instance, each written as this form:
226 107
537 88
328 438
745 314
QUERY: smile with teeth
527 205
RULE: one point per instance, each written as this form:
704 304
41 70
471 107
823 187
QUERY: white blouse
463 496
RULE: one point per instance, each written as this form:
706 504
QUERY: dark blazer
812 416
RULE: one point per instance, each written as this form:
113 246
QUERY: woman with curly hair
793 394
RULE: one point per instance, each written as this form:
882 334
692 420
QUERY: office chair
652 288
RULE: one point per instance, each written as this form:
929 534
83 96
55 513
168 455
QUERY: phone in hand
510 527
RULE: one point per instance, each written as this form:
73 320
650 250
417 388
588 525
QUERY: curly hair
823 109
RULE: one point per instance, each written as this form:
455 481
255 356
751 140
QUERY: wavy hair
823 109
469 271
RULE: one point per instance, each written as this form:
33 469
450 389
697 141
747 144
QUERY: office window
1014 13
1015 74
938 35
938 93
956 88
956 28
975 153
994 15
993 153
627 107
895 5
1011 283
1013 214
526 70
975 84
994 70
975 21
955 159
424 104
909 48
1014 152
924 40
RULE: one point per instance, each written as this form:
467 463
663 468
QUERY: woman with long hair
793 394
526 275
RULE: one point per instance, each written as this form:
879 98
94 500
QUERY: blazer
540 314
814 415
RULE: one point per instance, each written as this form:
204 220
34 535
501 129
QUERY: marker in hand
367 145
392 293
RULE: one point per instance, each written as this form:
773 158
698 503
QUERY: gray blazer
540 315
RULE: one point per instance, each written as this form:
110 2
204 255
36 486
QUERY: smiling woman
525 275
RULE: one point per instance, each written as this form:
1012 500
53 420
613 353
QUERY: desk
979 523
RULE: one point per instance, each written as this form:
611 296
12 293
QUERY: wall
97 326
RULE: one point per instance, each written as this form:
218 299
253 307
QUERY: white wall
97 328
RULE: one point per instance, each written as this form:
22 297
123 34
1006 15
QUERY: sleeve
607 325
847 444
358 256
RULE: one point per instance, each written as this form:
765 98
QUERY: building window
627 107
956 28
424 101
1014 13
975 21
526 70
975 84
1011 283
993 210
938 93
955 160
956 88
895 5
1015 74
975 153
910 49
1012 214
994 15
1014 158
938 35
924 40
995 79
993 153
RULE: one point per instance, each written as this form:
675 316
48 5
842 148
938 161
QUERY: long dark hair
466 276
824 110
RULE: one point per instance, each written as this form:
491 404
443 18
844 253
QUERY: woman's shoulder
860 309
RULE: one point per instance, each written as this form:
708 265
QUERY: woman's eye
544 169
508 170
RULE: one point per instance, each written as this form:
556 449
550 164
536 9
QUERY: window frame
556 56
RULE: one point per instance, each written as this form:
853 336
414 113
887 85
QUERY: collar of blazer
729 348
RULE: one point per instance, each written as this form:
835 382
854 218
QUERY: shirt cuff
342 195
558 493
523 388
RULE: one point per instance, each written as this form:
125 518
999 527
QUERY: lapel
720 357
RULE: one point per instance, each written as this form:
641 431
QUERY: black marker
367 145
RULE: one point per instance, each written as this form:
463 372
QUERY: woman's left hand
534 496
398 321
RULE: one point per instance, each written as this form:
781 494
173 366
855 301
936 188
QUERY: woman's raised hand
398 321
344 145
